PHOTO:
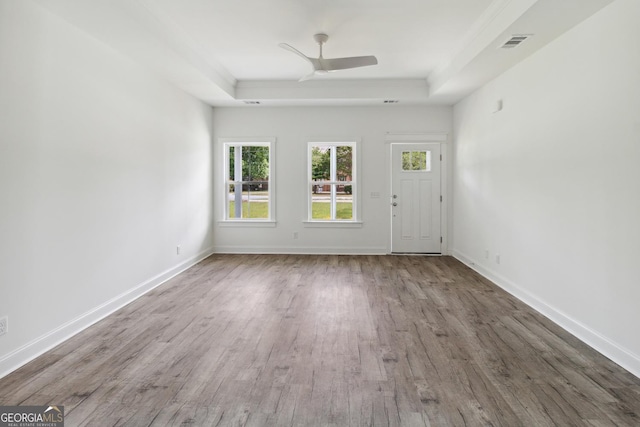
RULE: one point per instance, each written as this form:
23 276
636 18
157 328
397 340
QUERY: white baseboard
620 355
284 250
42 344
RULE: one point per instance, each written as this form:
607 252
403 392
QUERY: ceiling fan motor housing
321 38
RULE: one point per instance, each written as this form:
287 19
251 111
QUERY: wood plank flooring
277 340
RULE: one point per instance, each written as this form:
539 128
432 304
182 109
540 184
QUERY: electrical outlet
295 234
4 325
486 254
178 250
497 259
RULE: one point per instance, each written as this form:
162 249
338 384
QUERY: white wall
104 169
293 127
552 182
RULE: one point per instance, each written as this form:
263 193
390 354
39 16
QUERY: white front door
415 198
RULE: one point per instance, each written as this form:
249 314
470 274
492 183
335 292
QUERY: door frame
442 138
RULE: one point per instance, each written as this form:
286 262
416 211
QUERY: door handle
394 204
395 196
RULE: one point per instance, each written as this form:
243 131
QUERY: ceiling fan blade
296 51
346 63
308 76
322 65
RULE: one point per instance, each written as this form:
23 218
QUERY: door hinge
440 157
440 239
440 198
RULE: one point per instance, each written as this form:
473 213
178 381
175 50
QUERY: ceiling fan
323 65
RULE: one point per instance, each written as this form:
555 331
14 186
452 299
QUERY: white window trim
225 143
356 221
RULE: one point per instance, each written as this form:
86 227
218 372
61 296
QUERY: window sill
247 223
332 224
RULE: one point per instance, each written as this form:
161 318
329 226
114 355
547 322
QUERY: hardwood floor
275 340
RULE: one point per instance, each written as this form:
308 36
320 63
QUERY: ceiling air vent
252 102
515 40
390 101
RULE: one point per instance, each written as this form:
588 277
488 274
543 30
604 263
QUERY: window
248 181
332 181
416 161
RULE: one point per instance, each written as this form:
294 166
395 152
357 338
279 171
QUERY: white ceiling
225 52
410 37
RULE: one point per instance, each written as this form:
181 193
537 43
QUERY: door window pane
416 161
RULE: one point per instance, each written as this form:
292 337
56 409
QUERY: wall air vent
252 102
514 41
390 101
